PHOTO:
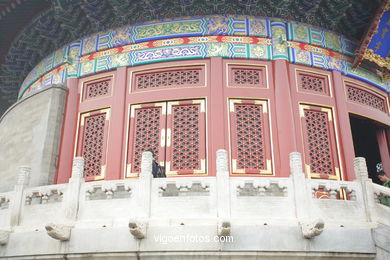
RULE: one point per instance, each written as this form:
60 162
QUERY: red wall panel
92 143
320 149
195 106
250 137
186 138
147 132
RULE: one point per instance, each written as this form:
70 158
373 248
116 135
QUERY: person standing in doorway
385 200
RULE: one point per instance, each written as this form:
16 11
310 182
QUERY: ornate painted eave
60 22
198 37
375 46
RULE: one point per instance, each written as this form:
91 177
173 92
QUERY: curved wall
225 36
300 72
30 133
259 111
260 107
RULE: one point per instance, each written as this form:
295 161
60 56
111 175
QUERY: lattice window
244 76
175 135
93 144
250 145
319 141
185 137
97 89
250 137
313 83
170 78
366 98
147 125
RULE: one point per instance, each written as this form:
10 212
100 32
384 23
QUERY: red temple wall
259 111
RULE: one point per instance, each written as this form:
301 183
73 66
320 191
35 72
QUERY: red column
217 116
384 150
344 127
115 169
284 117
69 125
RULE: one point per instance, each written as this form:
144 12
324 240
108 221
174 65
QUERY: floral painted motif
279 44
303 57
74 51
218 25
121 37
332 41
167 53
259 51
335 64
301 33
89 45
120 60
218 49
258 27
87 68
169 28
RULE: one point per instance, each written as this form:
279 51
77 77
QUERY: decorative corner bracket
58 231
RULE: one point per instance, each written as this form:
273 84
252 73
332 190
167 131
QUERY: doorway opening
366 144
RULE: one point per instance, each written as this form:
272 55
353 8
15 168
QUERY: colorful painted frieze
56 76
299 32
279 43
194 51
191 27
228 36
369 77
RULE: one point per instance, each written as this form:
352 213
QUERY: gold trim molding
377 59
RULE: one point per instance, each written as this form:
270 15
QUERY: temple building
267 121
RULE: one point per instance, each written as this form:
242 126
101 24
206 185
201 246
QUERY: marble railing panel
261 197
183 197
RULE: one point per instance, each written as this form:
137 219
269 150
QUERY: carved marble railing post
223 185
145 185
138 226
16 203
71 196
310 228
301 197
361 173
62 229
